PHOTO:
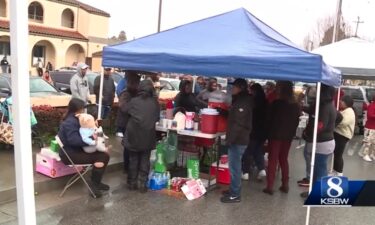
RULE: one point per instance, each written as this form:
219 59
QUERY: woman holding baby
72 137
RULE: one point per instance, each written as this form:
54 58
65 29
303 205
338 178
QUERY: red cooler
209 120
222 120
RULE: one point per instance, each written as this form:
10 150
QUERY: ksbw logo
334 191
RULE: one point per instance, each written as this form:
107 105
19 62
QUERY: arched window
67 18
36 11
3 8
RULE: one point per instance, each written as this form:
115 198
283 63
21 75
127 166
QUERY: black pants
338 162
139 167
256 151
126 159
81 157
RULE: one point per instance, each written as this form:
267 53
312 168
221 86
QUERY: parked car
362 95
41 92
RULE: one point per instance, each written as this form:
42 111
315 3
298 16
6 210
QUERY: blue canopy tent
231 44
235 44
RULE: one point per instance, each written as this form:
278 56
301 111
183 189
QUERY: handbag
6 132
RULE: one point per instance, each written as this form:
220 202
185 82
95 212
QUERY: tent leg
315 136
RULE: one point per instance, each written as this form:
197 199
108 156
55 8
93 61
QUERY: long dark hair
285 91
259 95
75 105
133 82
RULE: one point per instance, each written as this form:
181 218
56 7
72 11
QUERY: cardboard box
53 168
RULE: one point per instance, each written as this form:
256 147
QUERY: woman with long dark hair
258 133
325 137
73 143
186 99
282 122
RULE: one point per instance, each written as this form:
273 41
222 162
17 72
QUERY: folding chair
79 174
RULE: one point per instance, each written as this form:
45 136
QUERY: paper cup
164 123
169 124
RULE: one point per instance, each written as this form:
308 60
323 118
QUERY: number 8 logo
335 187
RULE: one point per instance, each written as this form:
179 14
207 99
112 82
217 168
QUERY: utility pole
159 19
357 25
337 21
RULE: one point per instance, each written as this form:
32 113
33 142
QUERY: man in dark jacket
140 134
238 136
108 92
185 98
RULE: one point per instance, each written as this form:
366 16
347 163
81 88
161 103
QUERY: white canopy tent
353 56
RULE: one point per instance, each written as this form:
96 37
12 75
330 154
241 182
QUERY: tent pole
21 112
315 137
159 17
100 95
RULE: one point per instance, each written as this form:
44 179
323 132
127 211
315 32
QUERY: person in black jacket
328 118
186 99
73 143
237 137
282 122
140 134
258 134
109 89
124 99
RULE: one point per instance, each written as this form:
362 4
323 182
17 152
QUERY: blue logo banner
340 192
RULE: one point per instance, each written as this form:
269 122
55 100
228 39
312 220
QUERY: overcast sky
292 18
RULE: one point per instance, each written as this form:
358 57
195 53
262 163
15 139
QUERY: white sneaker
339 174
119 134
245 176
261 174
333 174
367 158
360 153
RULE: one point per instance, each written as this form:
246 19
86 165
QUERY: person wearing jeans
235 153
325 140
305 182
282 122
238 136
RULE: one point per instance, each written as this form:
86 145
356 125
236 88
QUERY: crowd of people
260 119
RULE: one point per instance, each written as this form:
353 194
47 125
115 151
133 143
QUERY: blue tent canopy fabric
235 44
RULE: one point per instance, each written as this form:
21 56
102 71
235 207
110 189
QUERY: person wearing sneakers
325 140
237 137
258 134
368 153
282 122
344 131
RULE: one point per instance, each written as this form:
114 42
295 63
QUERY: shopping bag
6 132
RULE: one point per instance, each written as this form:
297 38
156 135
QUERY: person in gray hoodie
140 135
79 84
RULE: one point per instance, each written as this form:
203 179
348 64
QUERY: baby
89 132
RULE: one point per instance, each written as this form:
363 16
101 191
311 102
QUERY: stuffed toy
88 130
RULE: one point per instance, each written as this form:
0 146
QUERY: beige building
62 32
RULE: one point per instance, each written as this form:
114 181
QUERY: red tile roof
86 7
48 31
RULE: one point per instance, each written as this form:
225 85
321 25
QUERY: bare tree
122 36
323 32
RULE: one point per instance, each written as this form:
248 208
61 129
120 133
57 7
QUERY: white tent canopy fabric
353 56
